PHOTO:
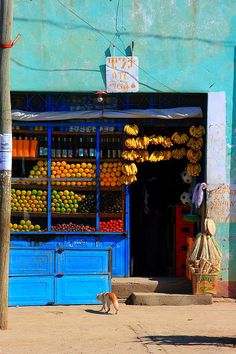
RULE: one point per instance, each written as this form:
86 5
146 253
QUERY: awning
170 113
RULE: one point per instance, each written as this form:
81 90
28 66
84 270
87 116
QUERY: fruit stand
67 193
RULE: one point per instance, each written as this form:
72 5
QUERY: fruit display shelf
65 215
29 158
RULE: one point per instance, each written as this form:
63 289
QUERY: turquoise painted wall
182 45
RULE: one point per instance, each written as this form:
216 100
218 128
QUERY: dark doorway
153 200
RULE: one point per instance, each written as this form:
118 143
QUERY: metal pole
5 156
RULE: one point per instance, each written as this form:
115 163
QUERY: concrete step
124 287
157 299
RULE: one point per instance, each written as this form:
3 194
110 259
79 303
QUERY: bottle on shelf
14 147
85 147
81 147
64 148
33 147
58 147
70 153
75 148
92 149
43 147
20 147
25 147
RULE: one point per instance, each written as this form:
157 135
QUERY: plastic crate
183 231
180 211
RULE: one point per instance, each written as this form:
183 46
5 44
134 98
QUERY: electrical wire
111 42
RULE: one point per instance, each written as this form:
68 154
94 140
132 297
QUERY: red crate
180 211
183 231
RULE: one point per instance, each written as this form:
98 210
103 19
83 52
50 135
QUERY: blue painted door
81 274
64 276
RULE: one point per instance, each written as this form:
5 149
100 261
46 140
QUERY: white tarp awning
170 113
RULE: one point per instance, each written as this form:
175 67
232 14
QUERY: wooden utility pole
5 155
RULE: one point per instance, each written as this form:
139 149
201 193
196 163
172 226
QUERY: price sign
122 74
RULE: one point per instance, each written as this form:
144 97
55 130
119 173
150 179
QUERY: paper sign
122 74
5 160
5 142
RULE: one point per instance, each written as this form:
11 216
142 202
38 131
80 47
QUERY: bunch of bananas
130 155
194 169
167 154
156 156
128 179
131 129
195 144
137 143
194 155
178 154
179 138
129 169
160 140
143 155
197 132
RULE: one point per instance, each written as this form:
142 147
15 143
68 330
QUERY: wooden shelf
29 132
30 158
33 215
63 133
66 215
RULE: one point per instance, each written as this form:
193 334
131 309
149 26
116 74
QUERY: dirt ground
136 329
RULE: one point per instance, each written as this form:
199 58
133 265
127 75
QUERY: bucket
204 283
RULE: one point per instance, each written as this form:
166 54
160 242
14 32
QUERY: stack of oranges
110 173
62 169
39 171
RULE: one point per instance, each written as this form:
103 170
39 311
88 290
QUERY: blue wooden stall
65 267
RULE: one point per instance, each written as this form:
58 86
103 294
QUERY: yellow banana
131 129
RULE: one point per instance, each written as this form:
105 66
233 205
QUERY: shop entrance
153 200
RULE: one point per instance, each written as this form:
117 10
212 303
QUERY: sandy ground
136 329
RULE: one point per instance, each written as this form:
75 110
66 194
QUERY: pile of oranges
62 169
39 171
110 174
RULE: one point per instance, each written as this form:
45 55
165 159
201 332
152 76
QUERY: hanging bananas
160 140
128 179
178 154
197 132
194 169
179 138
194 155
156 156
130 155
131 129
195 144
143 155
167 154
137 143
129 169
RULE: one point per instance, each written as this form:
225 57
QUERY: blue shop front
88 194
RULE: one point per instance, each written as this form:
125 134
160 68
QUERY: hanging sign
122 74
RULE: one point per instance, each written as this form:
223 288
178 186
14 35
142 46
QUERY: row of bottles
73 147
66 147
27 147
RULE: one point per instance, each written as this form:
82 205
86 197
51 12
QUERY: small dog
107 299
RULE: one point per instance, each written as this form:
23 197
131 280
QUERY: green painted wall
182 45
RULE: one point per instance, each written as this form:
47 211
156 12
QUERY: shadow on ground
190 340
95 312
